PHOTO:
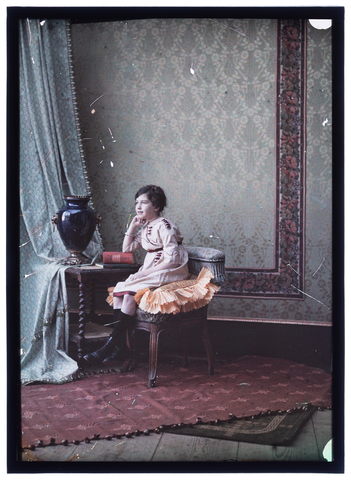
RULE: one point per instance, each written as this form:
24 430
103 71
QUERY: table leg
81 323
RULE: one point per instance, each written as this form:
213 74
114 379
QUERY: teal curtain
51 166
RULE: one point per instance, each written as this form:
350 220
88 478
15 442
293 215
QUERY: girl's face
145 209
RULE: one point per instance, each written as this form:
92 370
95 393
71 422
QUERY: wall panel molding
286 279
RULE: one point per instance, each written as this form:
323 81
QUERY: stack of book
118 260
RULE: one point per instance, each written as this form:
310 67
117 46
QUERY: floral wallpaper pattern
286 279
190 104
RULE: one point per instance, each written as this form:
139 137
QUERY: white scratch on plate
318 267
293 269
92 103
310 296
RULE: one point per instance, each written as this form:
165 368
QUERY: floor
308 445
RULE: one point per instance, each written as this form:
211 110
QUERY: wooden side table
87 277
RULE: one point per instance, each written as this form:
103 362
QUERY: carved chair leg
153 353
132 344
208 346
184 340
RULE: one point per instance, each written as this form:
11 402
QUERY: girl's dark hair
155 194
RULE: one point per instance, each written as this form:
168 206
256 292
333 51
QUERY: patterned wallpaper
190 104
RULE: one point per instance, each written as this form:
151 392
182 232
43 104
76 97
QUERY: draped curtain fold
51 166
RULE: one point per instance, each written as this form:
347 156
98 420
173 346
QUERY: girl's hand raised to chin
137 221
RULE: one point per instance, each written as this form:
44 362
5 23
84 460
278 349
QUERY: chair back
210 258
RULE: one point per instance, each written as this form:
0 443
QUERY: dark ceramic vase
76 223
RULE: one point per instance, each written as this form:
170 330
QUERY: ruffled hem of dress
176 297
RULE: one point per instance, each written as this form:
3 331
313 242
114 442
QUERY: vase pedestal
75 259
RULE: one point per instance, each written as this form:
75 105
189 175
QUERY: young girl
166 261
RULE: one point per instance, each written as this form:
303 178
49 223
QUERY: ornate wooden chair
155 323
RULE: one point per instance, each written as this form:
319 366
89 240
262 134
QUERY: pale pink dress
163 243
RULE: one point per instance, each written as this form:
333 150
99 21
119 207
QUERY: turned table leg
81 323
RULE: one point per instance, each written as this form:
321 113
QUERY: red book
118 257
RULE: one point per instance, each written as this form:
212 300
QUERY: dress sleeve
135 244
170 238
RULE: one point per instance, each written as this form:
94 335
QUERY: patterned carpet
113 404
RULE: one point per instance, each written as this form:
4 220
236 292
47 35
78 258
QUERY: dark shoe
119 353
115 349
105 351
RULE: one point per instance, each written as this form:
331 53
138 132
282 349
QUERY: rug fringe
172 427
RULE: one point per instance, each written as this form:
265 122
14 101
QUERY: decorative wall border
286 279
